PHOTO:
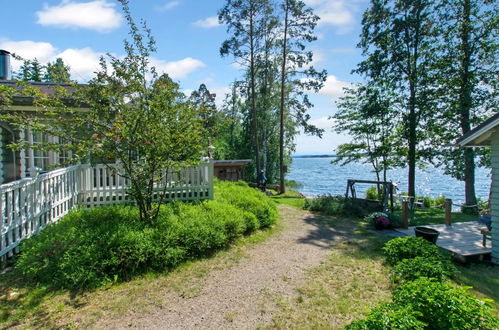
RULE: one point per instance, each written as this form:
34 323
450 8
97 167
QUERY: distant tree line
33 70
430 75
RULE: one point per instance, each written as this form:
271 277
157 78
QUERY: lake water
319 176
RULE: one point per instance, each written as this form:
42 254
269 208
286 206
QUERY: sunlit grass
28 305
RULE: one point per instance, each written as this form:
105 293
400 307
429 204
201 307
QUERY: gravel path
244 296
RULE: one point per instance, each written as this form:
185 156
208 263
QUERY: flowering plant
379 219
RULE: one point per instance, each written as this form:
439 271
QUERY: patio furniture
487 235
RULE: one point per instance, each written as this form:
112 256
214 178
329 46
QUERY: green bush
89 248
335 205
412 269
409 247
389 316
251 200
395 220
372 193
292 184
442 306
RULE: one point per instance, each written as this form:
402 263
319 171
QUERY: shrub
409 247
372 193
411 269
335 205
389 316
248 199
395 220
292 184
442 306
89 248
439 201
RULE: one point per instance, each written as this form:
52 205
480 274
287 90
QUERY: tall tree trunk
465 103
412 143
253 94
283 87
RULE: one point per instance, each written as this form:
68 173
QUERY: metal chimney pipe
5 73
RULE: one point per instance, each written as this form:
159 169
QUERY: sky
188 38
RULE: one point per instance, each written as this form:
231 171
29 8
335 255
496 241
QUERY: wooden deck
462 238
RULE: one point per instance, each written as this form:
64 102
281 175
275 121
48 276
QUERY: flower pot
431 235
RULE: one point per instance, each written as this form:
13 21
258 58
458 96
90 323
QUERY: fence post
448 212
405 214
211 185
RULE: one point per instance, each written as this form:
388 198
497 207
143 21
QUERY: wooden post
448 212
405 214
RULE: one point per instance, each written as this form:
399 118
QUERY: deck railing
28 205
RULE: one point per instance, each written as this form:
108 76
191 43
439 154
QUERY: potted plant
380 220
429 234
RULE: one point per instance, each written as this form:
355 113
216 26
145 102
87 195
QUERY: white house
14 165
487 135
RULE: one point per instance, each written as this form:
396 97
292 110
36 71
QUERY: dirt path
244 296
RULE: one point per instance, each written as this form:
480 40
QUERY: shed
230 170
487 135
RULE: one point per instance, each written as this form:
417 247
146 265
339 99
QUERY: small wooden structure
230 170
487 135
387 186
463 239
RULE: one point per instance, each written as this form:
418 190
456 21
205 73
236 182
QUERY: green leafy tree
297 77
467 75
366 114
137 121
57 72
244 23
398 40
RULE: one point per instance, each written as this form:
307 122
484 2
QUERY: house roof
47 88
480 135
231 162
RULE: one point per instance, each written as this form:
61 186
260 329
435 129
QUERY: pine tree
57 72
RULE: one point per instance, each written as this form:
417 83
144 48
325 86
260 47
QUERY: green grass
291 198
483 278
25 305
433 216
343 288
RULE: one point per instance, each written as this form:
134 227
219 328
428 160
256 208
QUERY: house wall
495 198
1 155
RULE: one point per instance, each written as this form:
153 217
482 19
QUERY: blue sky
188 38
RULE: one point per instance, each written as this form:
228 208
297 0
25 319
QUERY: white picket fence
30 204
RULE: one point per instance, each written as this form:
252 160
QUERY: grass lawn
433 216
291 198
28 306
347 284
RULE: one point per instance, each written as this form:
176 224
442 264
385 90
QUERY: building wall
1 155
495 198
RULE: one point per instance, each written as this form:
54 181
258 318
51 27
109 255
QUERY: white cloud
339 13
207 23
177 69
28 49
82 62
167 6
333 87
97 15
220 94
317 58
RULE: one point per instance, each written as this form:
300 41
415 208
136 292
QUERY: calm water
319 176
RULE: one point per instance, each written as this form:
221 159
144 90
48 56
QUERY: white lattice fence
28 205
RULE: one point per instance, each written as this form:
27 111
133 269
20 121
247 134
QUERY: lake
318 176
